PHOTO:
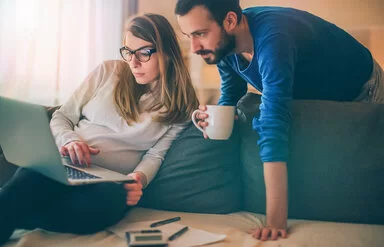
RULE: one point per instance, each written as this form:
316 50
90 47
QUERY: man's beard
226 45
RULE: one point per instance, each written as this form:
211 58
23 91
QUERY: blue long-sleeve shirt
296 56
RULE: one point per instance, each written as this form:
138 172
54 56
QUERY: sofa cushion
198 175
234 226
336 166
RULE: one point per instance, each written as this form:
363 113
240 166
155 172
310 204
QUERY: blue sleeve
233 87
276 55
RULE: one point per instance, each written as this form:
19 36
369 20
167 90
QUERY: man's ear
230 21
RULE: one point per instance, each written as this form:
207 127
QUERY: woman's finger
133 198
133 187
87 154
135 193
63 151
79 154
132 203
72 154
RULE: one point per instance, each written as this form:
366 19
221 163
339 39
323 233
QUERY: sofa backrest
336 168
197 175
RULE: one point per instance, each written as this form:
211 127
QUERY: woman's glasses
142 54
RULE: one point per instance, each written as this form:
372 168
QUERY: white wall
344 13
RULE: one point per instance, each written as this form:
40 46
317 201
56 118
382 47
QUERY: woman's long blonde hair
174 90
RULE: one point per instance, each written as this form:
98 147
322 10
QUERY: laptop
27 141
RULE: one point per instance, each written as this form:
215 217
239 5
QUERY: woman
125 115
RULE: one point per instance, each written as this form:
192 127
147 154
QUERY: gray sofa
336 185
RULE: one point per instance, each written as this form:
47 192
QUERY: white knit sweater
90 116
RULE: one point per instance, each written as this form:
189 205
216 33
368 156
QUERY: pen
163 222
178 233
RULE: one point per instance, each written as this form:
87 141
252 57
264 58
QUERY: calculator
146 238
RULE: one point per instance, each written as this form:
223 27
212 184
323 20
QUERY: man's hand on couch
275 176
268 233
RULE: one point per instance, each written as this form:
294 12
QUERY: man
285 54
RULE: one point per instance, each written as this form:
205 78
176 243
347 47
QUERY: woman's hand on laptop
135 190
79 152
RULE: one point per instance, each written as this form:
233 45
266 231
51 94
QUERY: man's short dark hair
217 8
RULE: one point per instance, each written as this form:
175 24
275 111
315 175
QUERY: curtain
47 47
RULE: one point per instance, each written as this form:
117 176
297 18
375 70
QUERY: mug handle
194 120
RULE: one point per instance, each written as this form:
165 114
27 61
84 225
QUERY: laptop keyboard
77 174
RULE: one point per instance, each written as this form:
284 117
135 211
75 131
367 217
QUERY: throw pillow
198 175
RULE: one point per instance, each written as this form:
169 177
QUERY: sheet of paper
193 237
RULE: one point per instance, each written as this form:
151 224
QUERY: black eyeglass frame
150 51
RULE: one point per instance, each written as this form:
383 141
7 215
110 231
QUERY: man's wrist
276 184
276 223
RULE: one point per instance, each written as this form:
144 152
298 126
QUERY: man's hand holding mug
216 122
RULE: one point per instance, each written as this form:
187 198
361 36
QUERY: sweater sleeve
233 87
68 115
153 158
276 55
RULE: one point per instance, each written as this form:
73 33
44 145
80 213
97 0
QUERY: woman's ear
230 21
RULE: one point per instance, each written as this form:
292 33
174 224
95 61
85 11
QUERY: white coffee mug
220 121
